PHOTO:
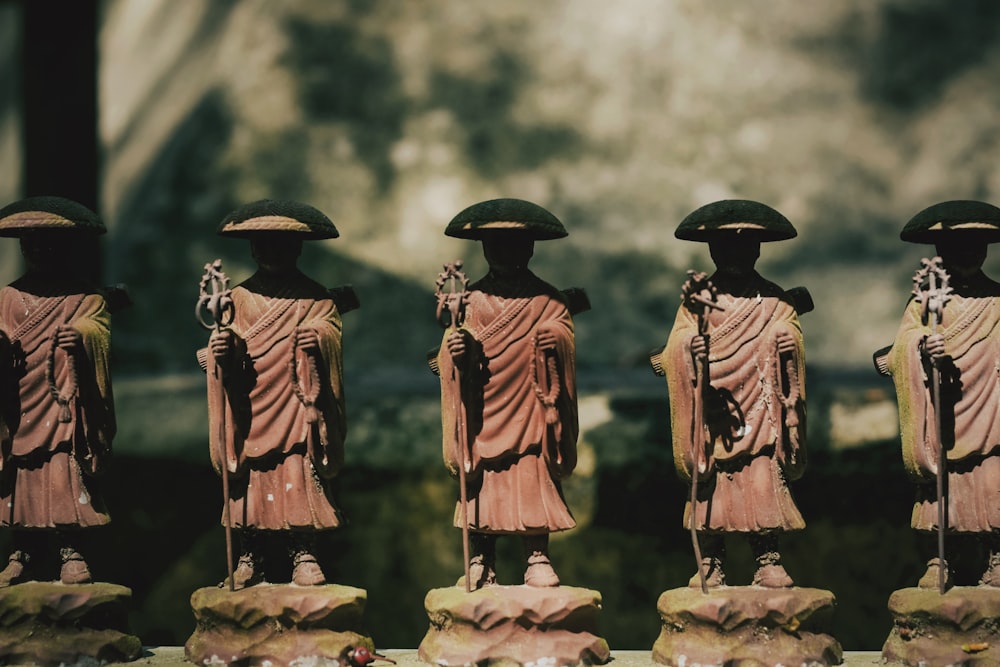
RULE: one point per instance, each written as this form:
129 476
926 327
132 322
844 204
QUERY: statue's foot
15 573
306 571
991 577
540 572
772 575
481 574
74 568
932 575
714 576
247 573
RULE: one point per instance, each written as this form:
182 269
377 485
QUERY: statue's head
276 229
960 231
55 232
734 230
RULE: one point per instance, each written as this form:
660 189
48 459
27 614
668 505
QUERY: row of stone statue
734 365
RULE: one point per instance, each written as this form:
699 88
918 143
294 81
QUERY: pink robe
280 462
970 414
518 447
760 442
54 450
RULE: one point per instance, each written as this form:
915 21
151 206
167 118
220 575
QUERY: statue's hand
69 339
221 344
456 345
307 339
547 337
785 341
933 346
699 346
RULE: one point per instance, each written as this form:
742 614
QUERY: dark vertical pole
60 99
59 87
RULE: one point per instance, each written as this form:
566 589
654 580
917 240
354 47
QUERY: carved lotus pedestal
961 627
514 625
746 626
277 625
59 624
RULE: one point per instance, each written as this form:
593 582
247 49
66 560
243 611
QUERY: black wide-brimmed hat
278 215
498 215
735 217
962 218
38 213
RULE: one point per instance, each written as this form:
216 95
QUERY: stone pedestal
277 625
514 625
746 626
961 627
58 624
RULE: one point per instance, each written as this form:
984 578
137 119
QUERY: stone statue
944 364
58 411
963 351
510 371
509 422
57 422
277 417
735 370
736 374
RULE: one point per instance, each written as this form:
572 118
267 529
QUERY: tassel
65 416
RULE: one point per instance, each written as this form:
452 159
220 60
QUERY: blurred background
848 116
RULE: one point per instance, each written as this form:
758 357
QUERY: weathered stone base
53 624
961 627
513 625
746 626
277 625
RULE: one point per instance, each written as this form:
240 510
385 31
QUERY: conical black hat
48 213
947 219
505 215
729 217
278 215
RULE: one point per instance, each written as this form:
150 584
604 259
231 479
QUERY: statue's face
275 253
507 252
50 251
960 256
736 255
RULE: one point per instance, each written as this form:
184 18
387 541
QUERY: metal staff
698 295
451 314
931 291
215 297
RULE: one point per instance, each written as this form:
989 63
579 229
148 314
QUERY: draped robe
518 448
756 441
970 412
53 451
280 462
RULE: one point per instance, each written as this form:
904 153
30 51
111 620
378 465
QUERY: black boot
540 572
305 568
770 572
250 567
482 561
713 552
